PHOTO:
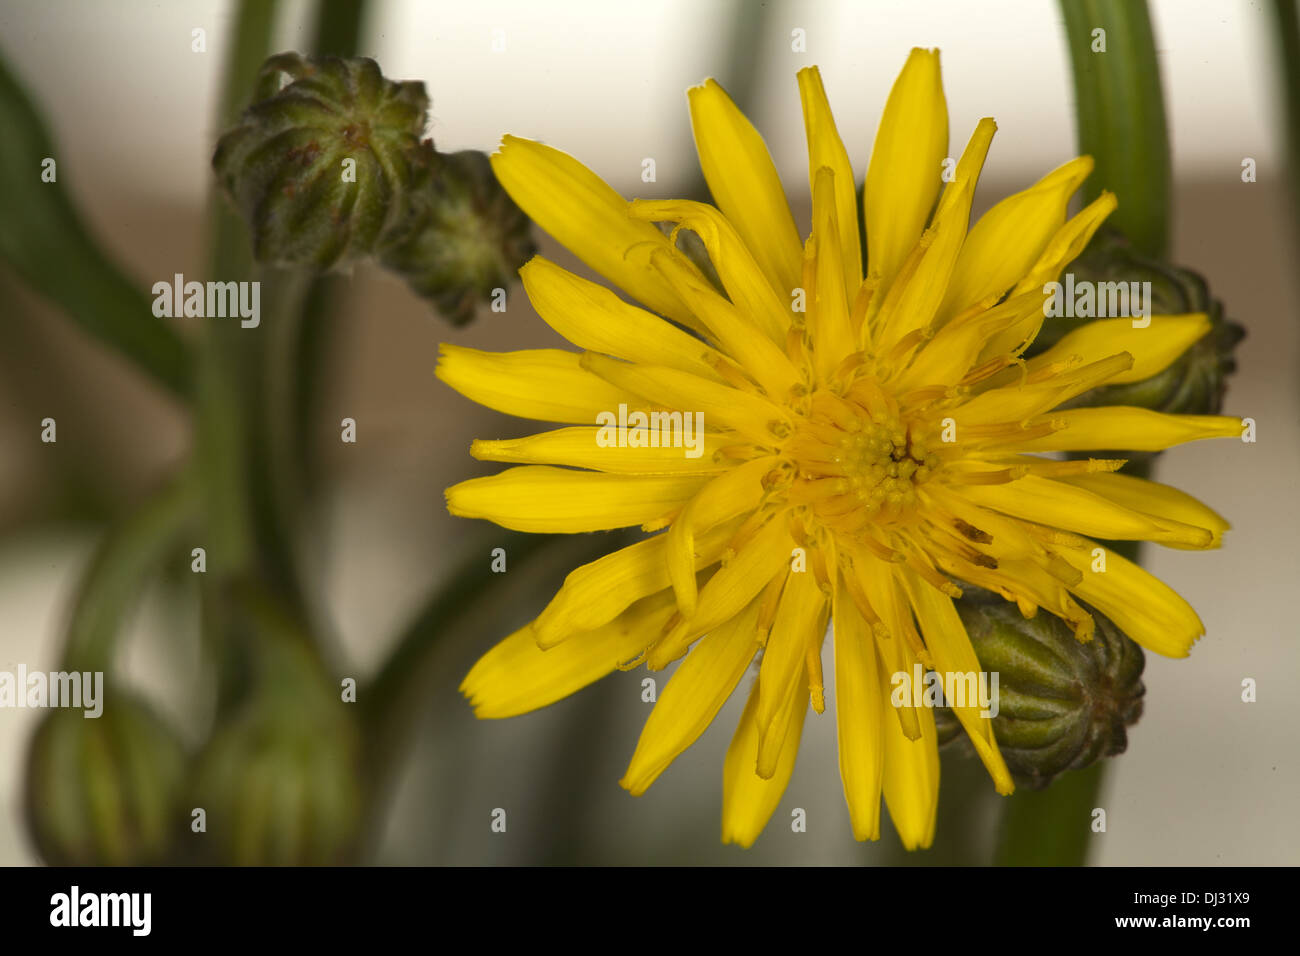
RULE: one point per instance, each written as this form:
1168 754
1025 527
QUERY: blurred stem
1120 115
394 697
275 471
1052 827
45 240
221 423
1288 38
339 24
338 27
126 559
1121 122
253 412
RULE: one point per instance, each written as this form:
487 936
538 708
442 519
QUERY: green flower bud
331 167
280 788
472 243
104 791
1195 383
280 780
1062 703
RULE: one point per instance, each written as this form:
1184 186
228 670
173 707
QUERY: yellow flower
868 440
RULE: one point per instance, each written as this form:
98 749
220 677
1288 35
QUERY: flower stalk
1120 114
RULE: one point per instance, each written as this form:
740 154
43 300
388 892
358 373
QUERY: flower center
882 465
858 462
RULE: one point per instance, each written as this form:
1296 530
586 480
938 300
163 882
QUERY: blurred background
1207 779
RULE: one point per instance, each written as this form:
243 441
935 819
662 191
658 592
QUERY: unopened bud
280 780
473 242
330 166
104 791
1063 703
1192 385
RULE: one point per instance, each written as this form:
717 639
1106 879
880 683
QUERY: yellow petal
729 591
1061 250
757 354
516 676
1014 403
1127 428
826 149
1056 504
596 593
858 717
543 384
594 318
947 641
747 286
1069 241
828 317
913 300
1141 605
1010 538
692 698
1008 239
903 177
1153 498
749 800
953 351
586 216
1154 348
880 582
548 500
800 624
744 183
631 453
737 492
911 773
721 405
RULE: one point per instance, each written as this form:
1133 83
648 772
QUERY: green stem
338 27
126 559
221 421
1121 115
1052 827
275 474
1287 17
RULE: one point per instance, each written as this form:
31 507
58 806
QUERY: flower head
871 437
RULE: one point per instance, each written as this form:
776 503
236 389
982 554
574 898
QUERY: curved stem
395 698
1287 18
126 559
45 240
1120 114
394 694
